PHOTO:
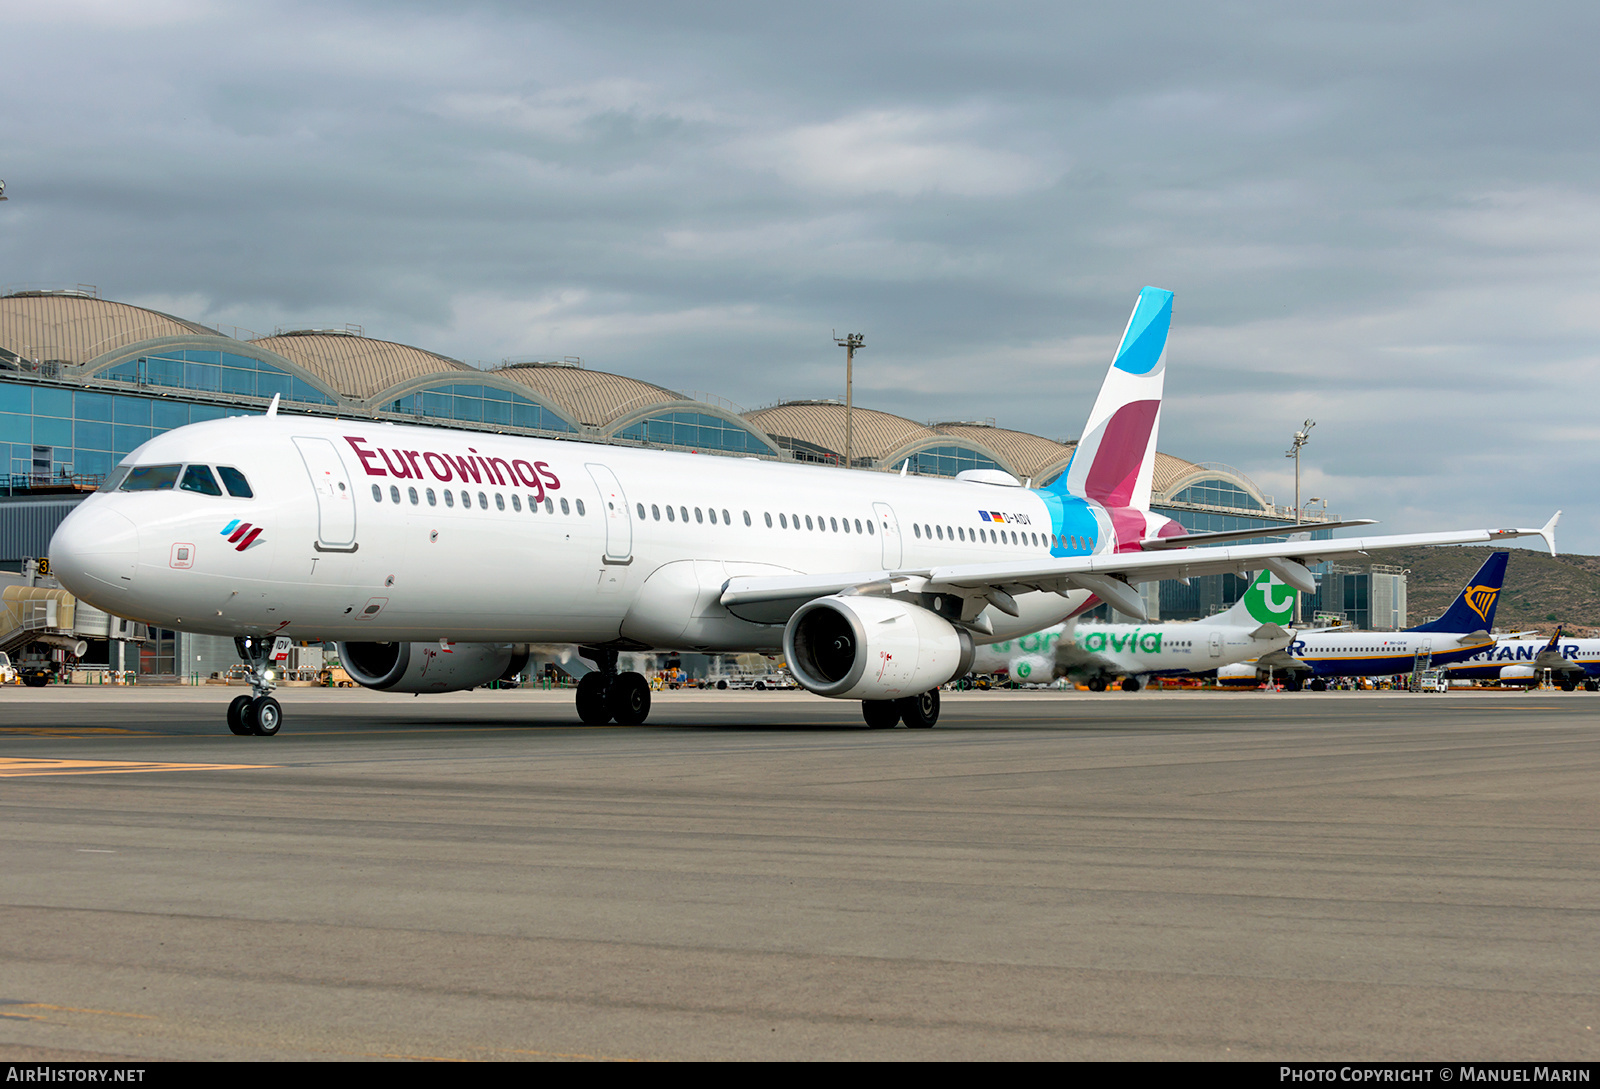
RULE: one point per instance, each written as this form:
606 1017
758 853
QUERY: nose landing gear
258 713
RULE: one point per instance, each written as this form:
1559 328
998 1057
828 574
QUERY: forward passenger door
889 534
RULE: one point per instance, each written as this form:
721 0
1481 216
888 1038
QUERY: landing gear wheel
1293 682
1591 685
1131 684
629 699
265 716
592 700
920 712
1318 686
1569 686
236 722
1096 684
881 714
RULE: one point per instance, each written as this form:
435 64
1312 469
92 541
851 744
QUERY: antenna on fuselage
272 409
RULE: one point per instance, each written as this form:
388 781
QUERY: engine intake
430 667
873 648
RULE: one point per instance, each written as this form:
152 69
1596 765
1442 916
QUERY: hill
1540 591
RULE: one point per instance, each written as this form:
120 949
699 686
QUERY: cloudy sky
1385 217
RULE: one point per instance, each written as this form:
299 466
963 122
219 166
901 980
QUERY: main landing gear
918 712
606 695
257 713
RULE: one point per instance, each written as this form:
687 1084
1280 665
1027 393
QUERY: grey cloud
1380 217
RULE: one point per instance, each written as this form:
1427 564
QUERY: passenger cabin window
151 478
564 508
198 478
377 494
579 502
449 498
234 481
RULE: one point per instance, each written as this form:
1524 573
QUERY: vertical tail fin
1473 609
1116 453
1269 600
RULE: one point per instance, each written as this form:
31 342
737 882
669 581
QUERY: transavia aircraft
1463 631
434 556
1097 653
1569 662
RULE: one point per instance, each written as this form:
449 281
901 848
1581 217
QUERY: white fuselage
1135 650
1379 653
349 536
1525 657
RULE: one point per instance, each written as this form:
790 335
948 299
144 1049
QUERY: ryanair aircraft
1314 656
1567 662
434 557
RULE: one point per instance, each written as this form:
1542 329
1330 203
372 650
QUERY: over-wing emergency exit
435 556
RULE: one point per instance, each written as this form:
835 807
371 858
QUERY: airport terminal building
86 380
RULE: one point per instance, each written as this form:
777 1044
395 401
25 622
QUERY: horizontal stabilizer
1269 631
1473 637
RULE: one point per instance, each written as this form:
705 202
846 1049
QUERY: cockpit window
151 478
234 481
198 478
114 481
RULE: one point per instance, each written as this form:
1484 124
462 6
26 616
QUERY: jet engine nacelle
1033 669
1521 674
429 667
1238 674
873 648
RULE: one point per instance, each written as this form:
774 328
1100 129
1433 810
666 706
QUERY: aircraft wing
1107 576
1282 659
1072 660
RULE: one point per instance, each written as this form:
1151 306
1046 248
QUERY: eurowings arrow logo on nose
1480 599
241 535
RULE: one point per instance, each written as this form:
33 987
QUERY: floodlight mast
849 342
1301 437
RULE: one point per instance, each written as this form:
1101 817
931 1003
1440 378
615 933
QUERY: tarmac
755 875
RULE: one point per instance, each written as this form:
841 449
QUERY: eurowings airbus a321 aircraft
434 556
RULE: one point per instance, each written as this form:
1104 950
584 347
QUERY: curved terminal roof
1172 473
75 327
1029 455
594 398
78 328
873 434
359 367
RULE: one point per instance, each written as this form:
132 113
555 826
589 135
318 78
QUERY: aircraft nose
94 548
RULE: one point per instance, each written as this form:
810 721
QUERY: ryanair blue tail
1473 610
